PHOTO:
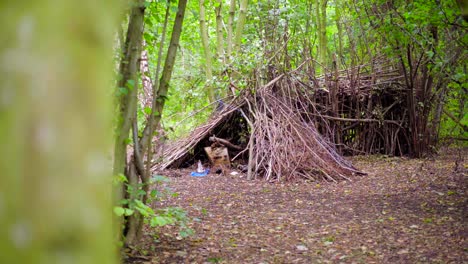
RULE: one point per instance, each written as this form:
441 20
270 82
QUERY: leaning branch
365 120
457 121
225 142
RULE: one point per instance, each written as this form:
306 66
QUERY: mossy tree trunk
240 24
219 32
321 20
55 113
135 170
230 30
206 48
128 86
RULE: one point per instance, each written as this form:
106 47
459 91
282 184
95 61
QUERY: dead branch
224 142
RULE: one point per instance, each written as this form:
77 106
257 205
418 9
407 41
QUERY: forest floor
403 211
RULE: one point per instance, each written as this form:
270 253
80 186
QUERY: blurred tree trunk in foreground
55 190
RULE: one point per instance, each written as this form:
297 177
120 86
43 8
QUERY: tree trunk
128 83
230 35
145 141
54 131
219 32
137 170
340 33
170 60
206 48
240 24
134 168
321 12
128 102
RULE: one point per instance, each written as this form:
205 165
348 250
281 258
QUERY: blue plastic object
200 174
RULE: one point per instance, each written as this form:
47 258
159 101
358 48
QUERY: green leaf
123 201
160 221
121 91
159 179
147 110
143 209
204 211
128 212
154 193
430 53
120 178
428 220
141 193
149 22
186 232
130 84
119 211
148 37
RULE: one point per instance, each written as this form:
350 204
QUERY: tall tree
55 195
339 27
137 175
240 24
151 127
230 29
219 31
127 107
321 18
207 50
128 84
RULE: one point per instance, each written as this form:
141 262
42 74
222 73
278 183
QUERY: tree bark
128 71
340 33
145 141
128 103
240 24
321 13
136 221
230 35
55 193
219 32
206 48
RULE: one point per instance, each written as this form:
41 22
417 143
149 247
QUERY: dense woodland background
366 39
375 76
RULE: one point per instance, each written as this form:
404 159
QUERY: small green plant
155 218
428 220
214 260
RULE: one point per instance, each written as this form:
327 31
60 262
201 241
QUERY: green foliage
119 179
214 259
369 29
457 104
155 218
120 211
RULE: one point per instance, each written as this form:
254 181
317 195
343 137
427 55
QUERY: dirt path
404 211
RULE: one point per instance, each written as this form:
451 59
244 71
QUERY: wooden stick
225 142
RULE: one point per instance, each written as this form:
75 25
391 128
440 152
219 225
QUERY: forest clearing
403 211
233 131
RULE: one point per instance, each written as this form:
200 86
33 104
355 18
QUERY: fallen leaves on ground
403 211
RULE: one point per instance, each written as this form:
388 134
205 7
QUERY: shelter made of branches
361 110
300 125
279 138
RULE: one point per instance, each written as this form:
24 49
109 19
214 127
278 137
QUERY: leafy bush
154 218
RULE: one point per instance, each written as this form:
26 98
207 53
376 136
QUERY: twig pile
286 144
